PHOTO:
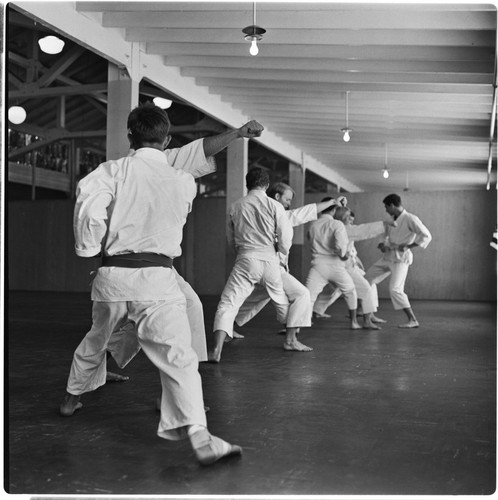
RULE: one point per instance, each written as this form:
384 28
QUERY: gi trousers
299 297
163 332
366 292
246 273
124 346
330 269
398 271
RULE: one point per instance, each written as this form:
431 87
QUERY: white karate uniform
140 204
298 295
409 229
255 224
328 242
366 292
123 344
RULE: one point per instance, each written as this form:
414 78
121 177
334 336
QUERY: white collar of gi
257 192
402 214
149 153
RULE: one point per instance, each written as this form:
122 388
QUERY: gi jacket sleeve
94 194
191 159
302 215
366 231
423 235
283 230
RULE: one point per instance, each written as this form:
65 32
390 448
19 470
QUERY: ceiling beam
427 38
218 85
236 6
327 64
368 52
334 18
61 64
290 76
32 91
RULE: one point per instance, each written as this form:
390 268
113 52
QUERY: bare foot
70 404
411 324
208 448
324 315
369 325
295 345
235 336
375 319
355 325
115 377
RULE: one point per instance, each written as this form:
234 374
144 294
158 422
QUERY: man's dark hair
257 177
332 207
392 199
279 188
148 123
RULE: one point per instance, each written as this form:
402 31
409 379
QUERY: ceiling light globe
17 114
51 44
162 103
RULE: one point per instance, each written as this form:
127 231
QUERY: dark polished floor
366 413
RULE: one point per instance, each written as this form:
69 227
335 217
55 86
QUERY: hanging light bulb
385 172
254 34
254 51
17 114
162 103
51 44
346 130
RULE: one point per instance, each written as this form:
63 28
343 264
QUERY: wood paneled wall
40 248
459 264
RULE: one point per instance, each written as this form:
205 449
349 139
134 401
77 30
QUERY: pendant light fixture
254 33
385 171
346 130
17 114
51 44
162 103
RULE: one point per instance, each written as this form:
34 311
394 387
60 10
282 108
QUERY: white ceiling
420 79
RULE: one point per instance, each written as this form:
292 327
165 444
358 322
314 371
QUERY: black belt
137 260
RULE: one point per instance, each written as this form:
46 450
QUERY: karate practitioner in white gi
258 229
123 345
397 257
329 253
299 298
366 292
133 210
354 266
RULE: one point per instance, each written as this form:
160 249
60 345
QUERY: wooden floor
366 413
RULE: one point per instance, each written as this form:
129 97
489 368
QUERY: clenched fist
251 129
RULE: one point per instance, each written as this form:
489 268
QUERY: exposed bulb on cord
385 173
254 48
346 136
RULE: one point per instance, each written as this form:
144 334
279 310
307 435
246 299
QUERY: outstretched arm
323 205
216 143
